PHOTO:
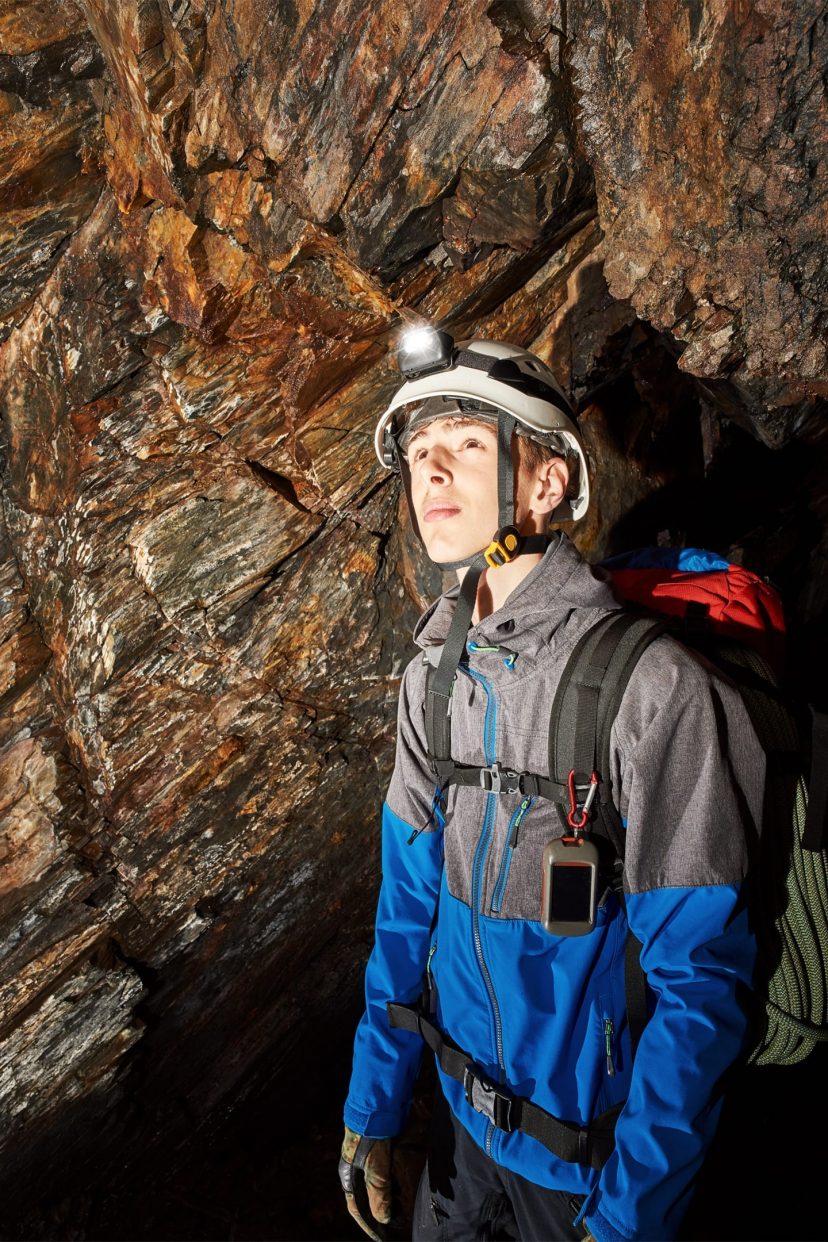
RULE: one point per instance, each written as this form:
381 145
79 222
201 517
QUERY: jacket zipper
477 873
608 1033
430 987
506 860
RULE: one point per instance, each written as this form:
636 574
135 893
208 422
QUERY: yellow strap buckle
503 548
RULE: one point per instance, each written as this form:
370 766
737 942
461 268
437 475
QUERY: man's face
453 464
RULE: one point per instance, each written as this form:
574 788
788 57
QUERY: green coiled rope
789 900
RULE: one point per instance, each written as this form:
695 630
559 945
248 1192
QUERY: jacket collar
561 581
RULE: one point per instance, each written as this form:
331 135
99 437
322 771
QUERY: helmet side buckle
503 548
390 451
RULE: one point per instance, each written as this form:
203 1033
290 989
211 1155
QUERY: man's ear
551 482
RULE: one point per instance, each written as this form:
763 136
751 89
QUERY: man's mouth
438 510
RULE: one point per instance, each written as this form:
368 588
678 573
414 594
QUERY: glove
365 1174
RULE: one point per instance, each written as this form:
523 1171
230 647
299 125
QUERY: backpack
735 620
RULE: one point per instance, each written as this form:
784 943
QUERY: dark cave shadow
727 512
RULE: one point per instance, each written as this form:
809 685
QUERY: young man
528 1016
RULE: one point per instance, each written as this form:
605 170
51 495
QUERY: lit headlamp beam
422 350
418 341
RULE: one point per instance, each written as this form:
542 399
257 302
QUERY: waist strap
590 1145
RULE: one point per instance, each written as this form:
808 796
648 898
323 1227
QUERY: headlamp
423 351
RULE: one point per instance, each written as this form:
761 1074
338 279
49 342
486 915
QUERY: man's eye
474 443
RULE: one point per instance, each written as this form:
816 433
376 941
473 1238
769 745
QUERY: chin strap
508 541
507 544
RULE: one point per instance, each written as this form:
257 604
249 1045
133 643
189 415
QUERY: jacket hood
561 581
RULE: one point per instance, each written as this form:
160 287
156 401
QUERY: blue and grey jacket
542 1014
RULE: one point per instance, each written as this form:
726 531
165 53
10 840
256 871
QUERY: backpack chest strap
498 779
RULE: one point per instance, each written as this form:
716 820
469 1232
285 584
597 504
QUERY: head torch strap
477 362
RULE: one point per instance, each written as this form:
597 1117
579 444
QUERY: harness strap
497 779
589 1145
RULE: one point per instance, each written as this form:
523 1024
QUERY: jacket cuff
375 1124
601 1229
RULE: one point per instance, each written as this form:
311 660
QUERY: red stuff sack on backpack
703 588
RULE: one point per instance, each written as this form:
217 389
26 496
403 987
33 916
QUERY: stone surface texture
215 217
706 127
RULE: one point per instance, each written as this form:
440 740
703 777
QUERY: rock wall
215 218
705 127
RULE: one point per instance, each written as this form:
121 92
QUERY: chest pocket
514 871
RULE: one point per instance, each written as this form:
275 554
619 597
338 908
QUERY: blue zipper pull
513 836
436 809
429 986
608 1029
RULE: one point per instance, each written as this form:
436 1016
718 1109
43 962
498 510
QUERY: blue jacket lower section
388 1059
546 1016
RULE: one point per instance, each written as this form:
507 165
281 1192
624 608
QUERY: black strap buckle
497 779
485 1098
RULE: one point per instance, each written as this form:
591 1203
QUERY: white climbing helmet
490 376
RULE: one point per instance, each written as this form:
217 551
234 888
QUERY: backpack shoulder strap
586 703
438 721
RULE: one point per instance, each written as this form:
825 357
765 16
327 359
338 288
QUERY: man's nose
435 466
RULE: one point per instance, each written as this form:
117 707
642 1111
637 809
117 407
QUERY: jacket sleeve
693 780
386 1061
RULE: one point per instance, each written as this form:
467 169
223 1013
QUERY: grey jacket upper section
684 754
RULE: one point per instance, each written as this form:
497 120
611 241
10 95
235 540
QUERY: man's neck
496 585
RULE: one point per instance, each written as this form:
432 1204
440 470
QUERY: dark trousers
464 1194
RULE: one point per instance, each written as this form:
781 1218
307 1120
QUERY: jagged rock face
705 126
215 219
49 181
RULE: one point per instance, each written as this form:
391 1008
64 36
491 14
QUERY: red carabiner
578 817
